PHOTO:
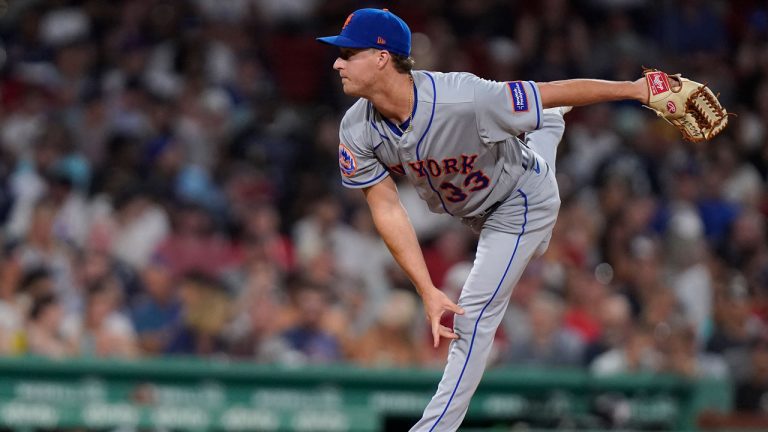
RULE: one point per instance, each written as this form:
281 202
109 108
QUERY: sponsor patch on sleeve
658 82
519 96
347 162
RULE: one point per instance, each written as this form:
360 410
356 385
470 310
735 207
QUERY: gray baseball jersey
462 154
464 158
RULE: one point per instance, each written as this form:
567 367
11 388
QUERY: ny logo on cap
346 22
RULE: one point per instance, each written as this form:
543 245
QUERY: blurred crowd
168 186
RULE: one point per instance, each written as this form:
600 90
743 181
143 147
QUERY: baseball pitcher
456 138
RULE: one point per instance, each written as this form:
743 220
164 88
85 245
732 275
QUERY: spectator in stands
446 249
133 226
35 283
196 244
547 343
102 330
661 309
689 275
320 230
584 295
254 335
615 326
205 311
746 245
307 337
157 311
392 341
44 334
360 248
637 354
735 327
261 226
682 356
41 248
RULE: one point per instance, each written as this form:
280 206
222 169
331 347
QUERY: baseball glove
689 106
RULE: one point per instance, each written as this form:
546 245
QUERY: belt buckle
487 211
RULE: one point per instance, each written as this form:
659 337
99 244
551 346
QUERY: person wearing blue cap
455 137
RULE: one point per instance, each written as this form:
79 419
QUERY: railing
194 394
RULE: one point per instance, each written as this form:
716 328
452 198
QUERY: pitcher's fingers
448 333
436 332
458 309
453 307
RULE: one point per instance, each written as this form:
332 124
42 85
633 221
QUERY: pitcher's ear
384 57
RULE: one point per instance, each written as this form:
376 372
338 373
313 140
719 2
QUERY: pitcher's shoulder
359 111
451 87
354 128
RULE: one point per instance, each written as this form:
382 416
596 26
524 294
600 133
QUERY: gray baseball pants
519 229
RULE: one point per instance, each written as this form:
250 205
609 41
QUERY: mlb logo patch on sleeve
519 96
347 161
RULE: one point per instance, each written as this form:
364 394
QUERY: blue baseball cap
373 28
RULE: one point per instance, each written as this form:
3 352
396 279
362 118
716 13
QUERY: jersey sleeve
358 163
506 109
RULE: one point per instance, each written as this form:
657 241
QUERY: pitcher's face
357 69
